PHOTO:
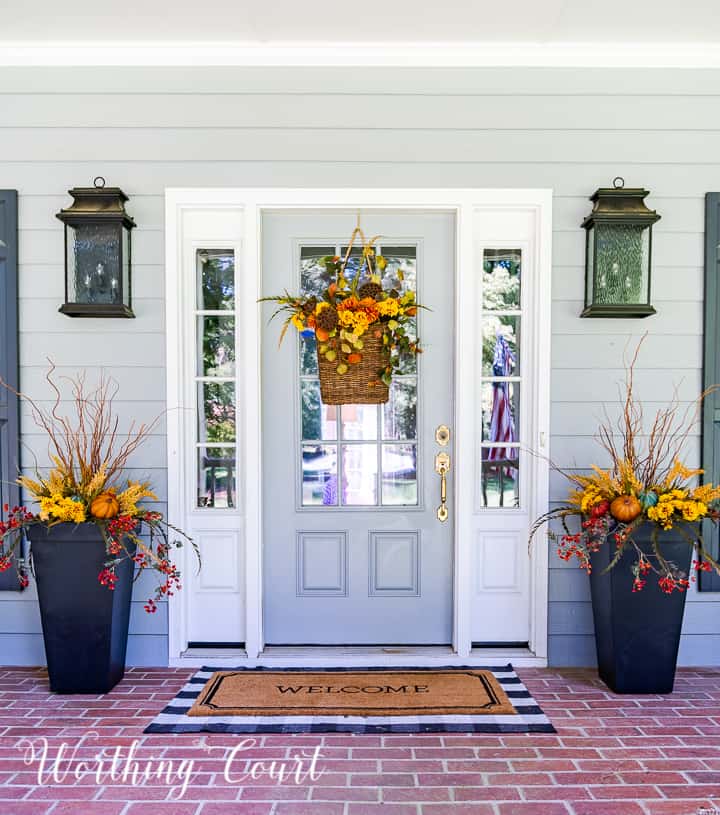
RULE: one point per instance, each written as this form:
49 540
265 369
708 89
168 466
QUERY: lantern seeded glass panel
98 254
620 264
215 378
347 458
618 251
94 263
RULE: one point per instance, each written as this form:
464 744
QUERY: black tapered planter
85 625
637 634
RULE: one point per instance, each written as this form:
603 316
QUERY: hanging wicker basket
360 384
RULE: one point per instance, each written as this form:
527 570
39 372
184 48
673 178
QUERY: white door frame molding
247 204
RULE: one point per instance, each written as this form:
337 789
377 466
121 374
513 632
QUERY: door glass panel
215 358
400 412
359 467
215 279
500 483
399 474
314 277
350 476
501 279
501 335
319 422
308 354
217 339
500 406
319 473
217 419
216 477
401 269
359 421
501 315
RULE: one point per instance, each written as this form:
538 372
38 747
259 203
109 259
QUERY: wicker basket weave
354 386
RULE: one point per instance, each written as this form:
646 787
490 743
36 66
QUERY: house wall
571 130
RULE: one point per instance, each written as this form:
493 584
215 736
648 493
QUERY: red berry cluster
569 548
668 584
702 565
16 517
641 569
107 577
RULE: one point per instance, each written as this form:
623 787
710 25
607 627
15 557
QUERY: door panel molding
474 210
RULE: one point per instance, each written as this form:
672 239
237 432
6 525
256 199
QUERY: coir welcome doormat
369 700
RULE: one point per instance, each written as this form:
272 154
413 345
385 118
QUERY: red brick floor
612 755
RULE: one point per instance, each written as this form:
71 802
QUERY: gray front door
353 550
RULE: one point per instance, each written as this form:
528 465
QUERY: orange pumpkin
105 506
625 508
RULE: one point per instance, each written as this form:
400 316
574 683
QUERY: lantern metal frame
617 205
99 205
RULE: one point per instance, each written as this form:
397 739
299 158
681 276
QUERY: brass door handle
442 465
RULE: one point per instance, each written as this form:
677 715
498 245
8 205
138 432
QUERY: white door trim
467 204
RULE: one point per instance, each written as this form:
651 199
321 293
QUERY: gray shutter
709 581
9 413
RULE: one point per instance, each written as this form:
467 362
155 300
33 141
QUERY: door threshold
358 656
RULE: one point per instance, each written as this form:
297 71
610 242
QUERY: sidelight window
215 378
500 380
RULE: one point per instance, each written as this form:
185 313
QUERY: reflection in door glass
216 422
501 279
313 274
215 373
500 371
359 422
359 474
319 421
499 484
218 346
319 473
215 279
501 339
341 467
216 477
400 411
399 474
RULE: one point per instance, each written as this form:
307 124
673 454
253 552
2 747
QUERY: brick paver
612 755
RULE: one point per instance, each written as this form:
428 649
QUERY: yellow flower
388 308
62 509
298 321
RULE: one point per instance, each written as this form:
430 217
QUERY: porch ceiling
402 21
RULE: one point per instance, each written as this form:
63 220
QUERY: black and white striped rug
528 717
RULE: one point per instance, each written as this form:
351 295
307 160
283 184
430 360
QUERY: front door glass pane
352 466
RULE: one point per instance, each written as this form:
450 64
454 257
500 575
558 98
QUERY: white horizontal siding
571 130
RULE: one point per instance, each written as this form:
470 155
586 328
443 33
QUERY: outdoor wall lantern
618 250
97 253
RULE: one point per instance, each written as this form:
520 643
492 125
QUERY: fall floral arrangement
84 485
646 484
352 313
